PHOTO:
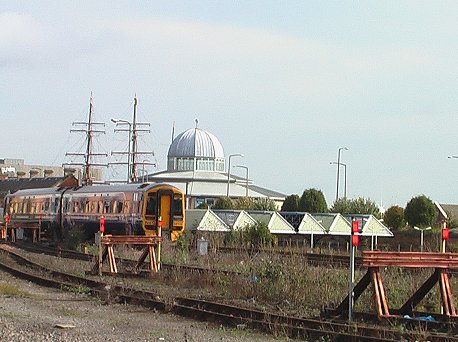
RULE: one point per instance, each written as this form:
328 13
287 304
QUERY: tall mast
132 150
88 129
133 172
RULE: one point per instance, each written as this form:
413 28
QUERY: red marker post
7 220
101 231
445 237
351 279
160 224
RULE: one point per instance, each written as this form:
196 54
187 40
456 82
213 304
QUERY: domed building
196 164
195 150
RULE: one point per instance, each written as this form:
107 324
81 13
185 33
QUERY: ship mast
89 129
132 150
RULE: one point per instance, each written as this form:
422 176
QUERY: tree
265 204
394 217
244 203
365 206
223 203
291 203
250 203
360 205
312 201
342 206
420 212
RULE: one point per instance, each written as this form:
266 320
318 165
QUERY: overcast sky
286 83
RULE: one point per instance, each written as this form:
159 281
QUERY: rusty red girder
130 240
410 259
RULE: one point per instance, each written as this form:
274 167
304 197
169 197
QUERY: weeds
13 291
76 289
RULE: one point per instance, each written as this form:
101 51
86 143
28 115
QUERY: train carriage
127 209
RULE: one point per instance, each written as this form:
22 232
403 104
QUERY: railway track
225 314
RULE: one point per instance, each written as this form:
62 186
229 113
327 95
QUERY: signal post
354 237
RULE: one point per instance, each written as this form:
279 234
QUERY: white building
196 164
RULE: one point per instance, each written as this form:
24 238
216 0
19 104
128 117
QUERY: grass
14 291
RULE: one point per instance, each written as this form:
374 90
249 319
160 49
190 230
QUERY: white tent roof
204 220
310 225
373 227
274 221
236 219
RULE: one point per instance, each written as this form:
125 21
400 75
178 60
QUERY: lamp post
246 184
125 122
338 169
421 235
345 178
229 171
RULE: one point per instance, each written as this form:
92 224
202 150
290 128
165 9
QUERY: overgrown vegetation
251 236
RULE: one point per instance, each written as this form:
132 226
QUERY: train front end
164 207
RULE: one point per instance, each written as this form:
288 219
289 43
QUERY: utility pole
89 130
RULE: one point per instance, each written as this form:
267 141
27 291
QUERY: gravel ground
32 313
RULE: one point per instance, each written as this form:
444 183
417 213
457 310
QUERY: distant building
196 164
17 169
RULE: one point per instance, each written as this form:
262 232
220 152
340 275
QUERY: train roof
99 188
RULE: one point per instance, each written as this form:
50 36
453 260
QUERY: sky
286 83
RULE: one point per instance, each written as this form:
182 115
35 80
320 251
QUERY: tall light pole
229 170
421 235
338 170
345 176
246 184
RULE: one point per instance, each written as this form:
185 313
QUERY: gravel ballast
29 312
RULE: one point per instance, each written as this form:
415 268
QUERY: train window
66 205
106 205
76 207
177 205
56 203
120 205
93 207
127 207
47 203
151 205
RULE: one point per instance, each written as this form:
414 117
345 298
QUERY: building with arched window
196 164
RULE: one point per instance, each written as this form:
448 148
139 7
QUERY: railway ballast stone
33 313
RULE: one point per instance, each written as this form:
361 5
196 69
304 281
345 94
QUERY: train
127 209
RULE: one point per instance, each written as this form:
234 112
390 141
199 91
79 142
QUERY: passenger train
137 208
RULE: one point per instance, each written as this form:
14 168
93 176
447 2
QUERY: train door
165 209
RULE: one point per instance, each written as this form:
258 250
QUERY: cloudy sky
286 83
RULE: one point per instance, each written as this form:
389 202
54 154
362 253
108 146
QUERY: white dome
195 149
196 143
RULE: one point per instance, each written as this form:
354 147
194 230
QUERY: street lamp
229 170
345 170
338 169
246 185
421 232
